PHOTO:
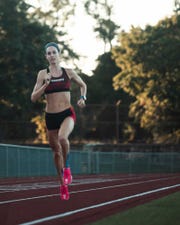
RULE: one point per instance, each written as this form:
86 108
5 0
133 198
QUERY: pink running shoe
67 176
64 193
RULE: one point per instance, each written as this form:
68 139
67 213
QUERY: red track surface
36 201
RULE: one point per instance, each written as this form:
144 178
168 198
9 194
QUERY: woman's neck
55 70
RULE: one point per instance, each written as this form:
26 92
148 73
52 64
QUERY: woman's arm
83 87
39 87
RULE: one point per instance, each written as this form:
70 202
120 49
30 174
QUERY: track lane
83 194
49 189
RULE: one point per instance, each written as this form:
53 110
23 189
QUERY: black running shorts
54 120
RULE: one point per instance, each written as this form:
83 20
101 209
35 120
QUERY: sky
126 13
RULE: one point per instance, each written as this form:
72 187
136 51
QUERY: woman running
60 117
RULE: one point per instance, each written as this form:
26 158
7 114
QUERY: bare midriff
57 102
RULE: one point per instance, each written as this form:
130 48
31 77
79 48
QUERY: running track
36 200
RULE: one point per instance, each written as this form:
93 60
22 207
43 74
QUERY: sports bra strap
48 71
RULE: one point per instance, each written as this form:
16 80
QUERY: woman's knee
56 150
54 146
63 140
57 155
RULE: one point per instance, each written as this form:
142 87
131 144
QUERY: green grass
164 211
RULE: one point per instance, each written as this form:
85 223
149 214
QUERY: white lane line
45 185
61 215
80 191
26 199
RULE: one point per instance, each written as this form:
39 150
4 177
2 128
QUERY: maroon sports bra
58 84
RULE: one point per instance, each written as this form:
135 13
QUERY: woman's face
52 55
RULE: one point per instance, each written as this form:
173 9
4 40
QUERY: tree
58 15
100 89
105 27
150 67
103 102
176 6
19 41
22 37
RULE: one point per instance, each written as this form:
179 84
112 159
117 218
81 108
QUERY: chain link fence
98 123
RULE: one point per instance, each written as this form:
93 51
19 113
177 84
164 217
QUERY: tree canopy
21 42
150 72
22 38
138 78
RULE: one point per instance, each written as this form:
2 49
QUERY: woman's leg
65 130
57 152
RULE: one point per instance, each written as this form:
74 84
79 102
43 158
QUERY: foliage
143 72
19 58
105 27
58 15
22 38
176 6
101 81
103 101
150 71
40 129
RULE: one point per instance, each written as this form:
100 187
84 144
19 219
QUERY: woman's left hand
81 103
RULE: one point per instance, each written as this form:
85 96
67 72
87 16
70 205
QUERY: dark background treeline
133 94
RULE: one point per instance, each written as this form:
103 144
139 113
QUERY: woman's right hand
47 80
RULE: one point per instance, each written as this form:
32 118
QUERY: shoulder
70 72
42 73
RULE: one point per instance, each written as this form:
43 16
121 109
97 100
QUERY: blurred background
132 69
128 53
